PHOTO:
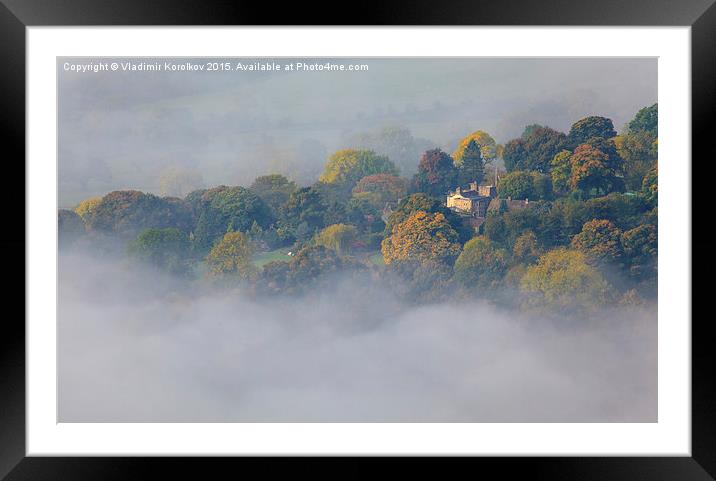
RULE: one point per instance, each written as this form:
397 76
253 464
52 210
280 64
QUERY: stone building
473 201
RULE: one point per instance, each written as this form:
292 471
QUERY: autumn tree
337 237
397 143
437 173
273 189
86 208
167 249
472 166
526 248
563 281
231 257
636 148
593 170
480 266
600 240
422 202
422 236
589 127
485 142
346 167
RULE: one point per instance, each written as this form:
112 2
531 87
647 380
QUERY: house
509 204
473 201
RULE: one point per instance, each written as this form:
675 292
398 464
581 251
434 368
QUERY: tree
485 142
226 209
86 208
273 189
517 184
304 206
600 240
640 251
636 150
346 167
561 172
337 237
563 281
472 167
422 237
481 266
232 257
179 181
128 212
541 144
526 248
589 127
514 155
167 249
69 227
436 173
422 202
650 186
380 189
646 120
592 170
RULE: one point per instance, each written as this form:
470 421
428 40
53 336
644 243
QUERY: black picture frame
16 15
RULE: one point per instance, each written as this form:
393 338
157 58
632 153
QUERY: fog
120 130
135 346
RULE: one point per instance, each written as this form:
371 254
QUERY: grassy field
262 258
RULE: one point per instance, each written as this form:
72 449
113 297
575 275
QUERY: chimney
527 201
473 186
457 191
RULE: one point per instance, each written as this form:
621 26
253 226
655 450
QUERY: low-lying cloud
135 346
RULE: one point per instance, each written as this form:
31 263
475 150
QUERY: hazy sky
121 129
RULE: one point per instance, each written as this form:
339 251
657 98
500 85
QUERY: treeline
583 235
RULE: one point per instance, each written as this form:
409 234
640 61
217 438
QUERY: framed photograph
447 231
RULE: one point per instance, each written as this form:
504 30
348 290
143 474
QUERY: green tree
395 142
636 150
481 266
273 189
650 186
304 206
226 209
515 155
472 167
436 173
563 281
517 185
561 172
589 127
232 257
485 142
421 237
541 144
337 237
127 212
600 240
646 120
167 249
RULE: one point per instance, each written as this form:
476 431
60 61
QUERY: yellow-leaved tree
337 237
85 208
422 237
487 144
232 257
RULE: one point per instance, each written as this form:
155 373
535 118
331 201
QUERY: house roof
512 204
